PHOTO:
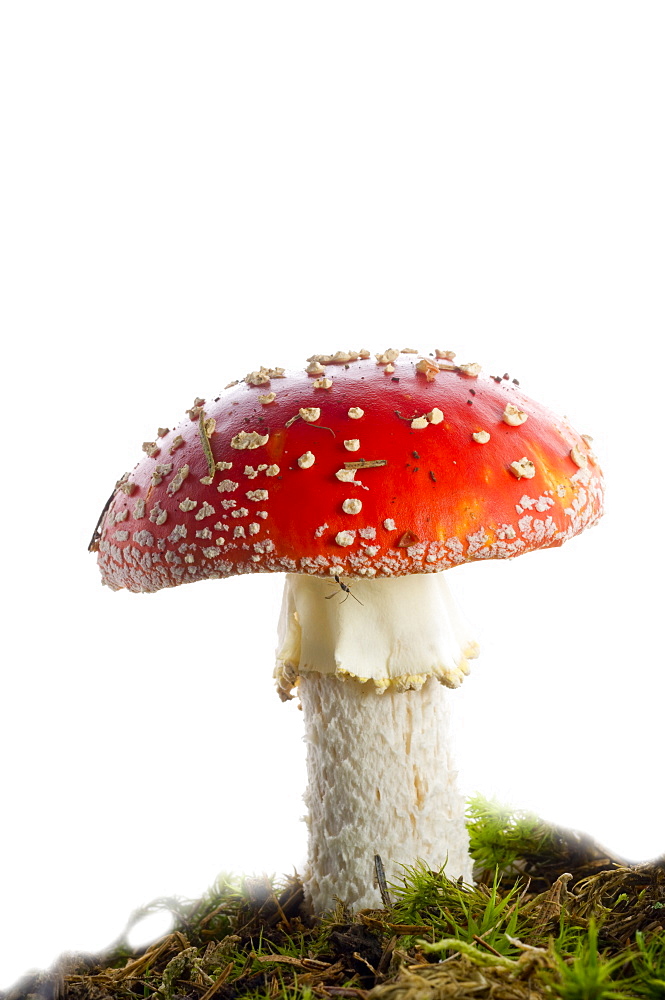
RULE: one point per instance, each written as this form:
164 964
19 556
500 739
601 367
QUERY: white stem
370 668
381 781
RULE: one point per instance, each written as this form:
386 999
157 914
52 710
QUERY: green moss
549 915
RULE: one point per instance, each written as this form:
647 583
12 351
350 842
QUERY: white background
192 190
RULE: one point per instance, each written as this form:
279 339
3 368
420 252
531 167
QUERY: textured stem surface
381 781
373 662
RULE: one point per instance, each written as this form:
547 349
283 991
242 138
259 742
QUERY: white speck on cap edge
352 506
345 537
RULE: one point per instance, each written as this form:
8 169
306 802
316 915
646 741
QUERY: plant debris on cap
241 486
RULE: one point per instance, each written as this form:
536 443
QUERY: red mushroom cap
356 467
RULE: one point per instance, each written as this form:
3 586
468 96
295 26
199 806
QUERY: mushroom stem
382 778
381 781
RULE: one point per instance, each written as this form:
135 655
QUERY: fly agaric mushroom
361 480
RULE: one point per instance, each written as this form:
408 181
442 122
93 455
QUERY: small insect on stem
346 589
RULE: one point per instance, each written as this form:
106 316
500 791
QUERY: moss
550 915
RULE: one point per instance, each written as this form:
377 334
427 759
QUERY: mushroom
362 493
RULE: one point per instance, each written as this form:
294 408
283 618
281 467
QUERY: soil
257 940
